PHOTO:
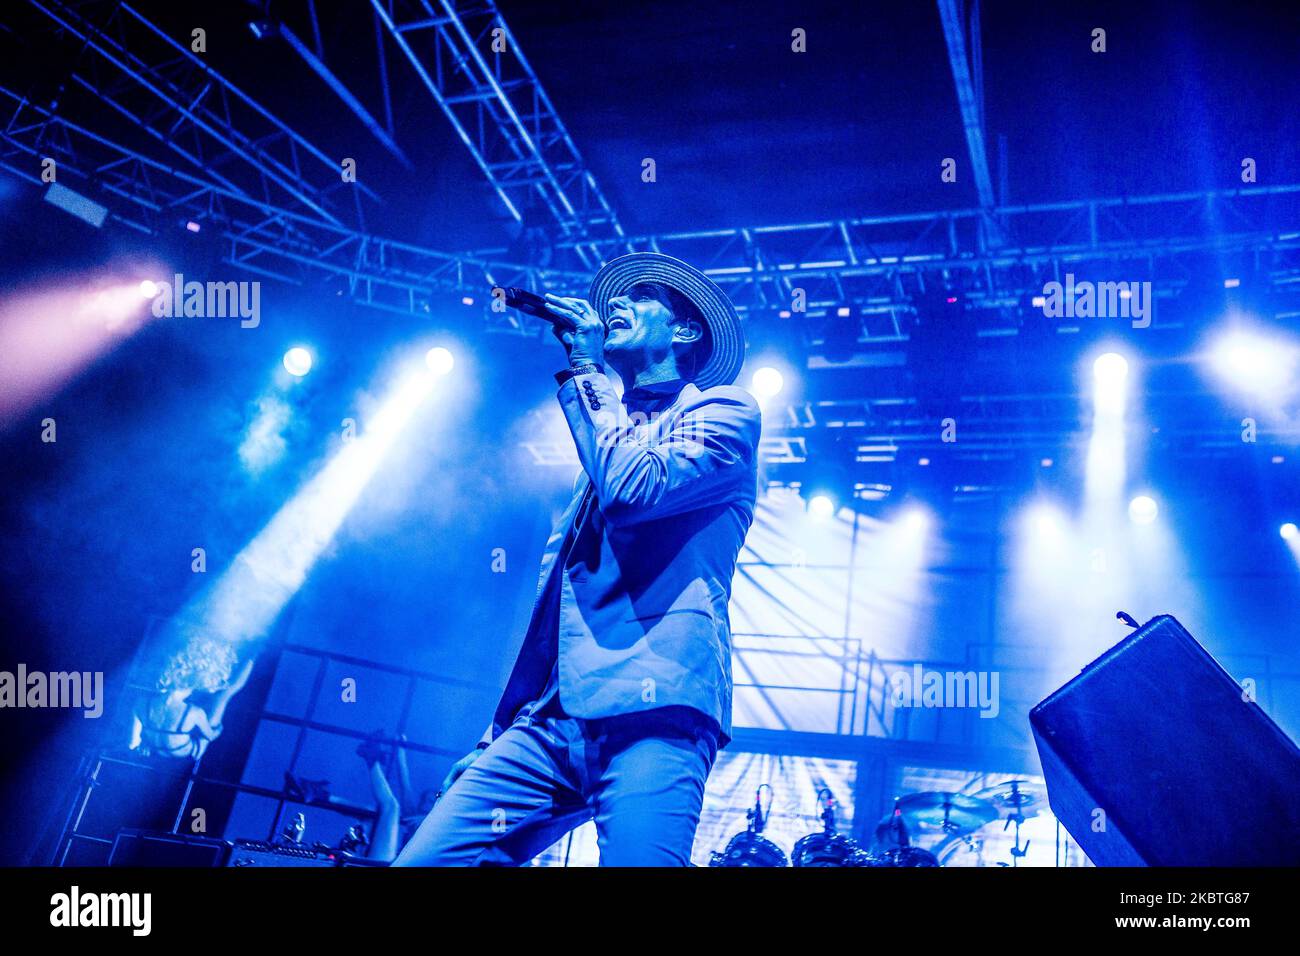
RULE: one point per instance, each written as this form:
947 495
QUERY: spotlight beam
245 601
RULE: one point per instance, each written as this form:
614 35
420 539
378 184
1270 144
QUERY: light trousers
639 776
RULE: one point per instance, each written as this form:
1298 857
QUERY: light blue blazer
663 508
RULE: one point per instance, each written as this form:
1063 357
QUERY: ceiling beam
972 118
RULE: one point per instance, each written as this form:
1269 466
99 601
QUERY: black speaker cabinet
1153 758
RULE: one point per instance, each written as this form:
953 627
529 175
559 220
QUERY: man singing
621 695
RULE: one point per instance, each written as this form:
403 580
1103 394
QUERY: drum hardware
896 827
904 856
948 814
893 830
828 848
1018 817
1012 797
968 843
1016 801
953 817
751 848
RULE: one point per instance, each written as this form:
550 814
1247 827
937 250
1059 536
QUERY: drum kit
949 822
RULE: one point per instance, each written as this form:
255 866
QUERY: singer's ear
688 331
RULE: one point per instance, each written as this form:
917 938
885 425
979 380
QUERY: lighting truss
878 264
468 60
216 131
257 236
275 199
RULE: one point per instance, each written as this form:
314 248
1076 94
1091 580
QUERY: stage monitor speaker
1155 756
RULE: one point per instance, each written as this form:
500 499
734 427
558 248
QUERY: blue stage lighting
821 505
297 361
1290 532
1045 521
439 360
1110 384
1143 509
915 519
767 382
1110 370
1256 364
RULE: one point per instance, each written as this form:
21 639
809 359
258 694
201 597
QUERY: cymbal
927 812
1028 796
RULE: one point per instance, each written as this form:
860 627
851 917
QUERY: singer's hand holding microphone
578 328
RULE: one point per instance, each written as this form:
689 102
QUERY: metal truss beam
318 66
968 99
877 265
874 265
221 158
503 116
180 103
278 242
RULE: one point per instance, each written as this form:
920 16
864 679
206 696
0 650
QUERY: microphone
531 304
528 302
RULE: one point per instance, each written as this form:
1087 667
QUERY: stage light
1231 283
767 382
1047 463
915 519
923 462
1110 385
467 300
1143 509
51 331
1278 459
1110 370
1289 531
297 361
844 312
84 208
149 288
821 506
1104 473
1045 521
439 360
1256 364
192 226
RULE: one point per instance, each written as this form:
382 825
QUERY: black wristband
587 368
